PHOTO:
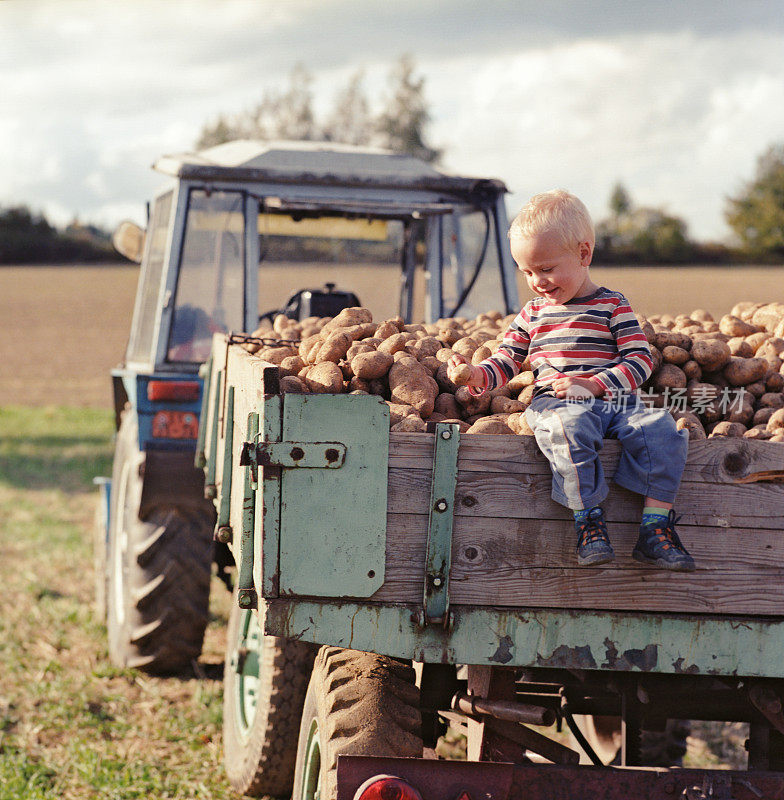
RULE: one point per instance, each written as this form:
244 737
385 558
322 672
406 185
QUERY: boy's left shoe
661 546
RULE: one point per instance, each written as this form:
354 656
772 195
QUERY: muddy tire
158 572
359 704
265 679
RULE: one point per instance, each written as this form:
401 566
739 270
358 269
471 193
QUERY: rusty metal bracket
439 527
304 455
224 506
768 703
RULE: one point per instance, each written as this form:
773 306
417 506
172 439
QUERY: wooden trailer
445 550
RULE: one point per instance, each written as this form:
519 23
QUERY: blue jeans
570 435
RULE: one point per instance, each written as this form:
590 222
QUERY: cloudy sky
676 99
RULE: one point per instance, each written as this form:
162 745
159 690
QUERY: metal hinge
307 455
439 528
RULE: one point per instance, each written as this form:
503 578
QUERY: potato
324 378
520 381
490 425
672 338
774 382
768 316
334 347
692 370
461 374
675 355
701 315
519 424
757 432
669 377
410 424
693 425
762 415
355 315
771 400
742 371
729 430
505 405
711 354
446 404
291 365
740 347
371 365
776 421
289 384
274 355
465 346
480 354
399 410
734 326
472 404
386 329
424 347
410 383
395 343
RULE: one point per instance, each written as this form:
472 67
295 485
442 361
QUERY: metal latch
307 455
439 529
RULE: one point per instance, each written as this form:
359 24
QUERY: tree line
629 234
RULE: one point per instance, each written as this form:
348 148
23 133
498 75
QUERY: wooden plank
718 460
514 495
531 564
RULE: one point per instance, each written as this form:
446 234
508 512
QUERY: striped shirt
595 336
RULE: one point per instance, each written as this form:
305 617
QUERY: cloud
674 99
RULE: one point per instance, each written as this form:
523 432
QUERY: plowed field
63 328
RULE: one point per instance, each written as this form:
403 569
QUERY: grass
72 725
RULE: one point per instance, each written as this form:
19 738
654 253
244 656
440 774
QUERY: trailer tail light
386 787
175 425
177 391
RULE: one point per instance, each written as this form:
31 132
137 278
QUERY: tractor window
146 310
470 254
210 287
363 256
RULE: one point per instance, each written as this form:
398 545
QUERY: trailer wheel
264 683
158 572
357 703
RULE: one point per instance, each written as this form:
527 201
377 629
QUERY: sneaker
662 547
593 546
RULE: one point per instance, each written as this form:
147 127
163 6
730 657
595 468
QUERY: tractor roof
319 163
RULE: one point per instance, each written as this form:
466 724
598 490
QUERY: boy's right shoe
661 546
593 544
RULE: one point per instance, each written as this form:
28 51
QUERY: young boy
588 355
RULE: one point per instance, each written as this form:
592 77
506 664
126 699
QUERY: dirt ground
64 328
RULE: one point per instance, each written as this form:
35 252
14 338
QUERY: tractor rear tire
159 571
264 683
358 704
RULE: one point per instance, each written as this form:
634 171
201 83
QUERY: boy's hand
461 373
566 386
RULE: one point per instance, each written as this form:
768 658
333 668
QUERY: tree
620 201
279 115
641 234
350 121
757 214
401 125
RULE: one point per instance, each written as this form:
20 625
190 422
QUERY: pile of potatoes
699 365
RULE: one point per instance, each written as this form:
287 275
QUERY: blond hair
557 211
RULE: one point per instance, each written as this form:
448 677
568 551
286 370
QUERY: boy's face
552 271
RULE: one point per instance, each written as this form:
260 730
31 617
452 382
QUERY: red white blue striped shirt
595 336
